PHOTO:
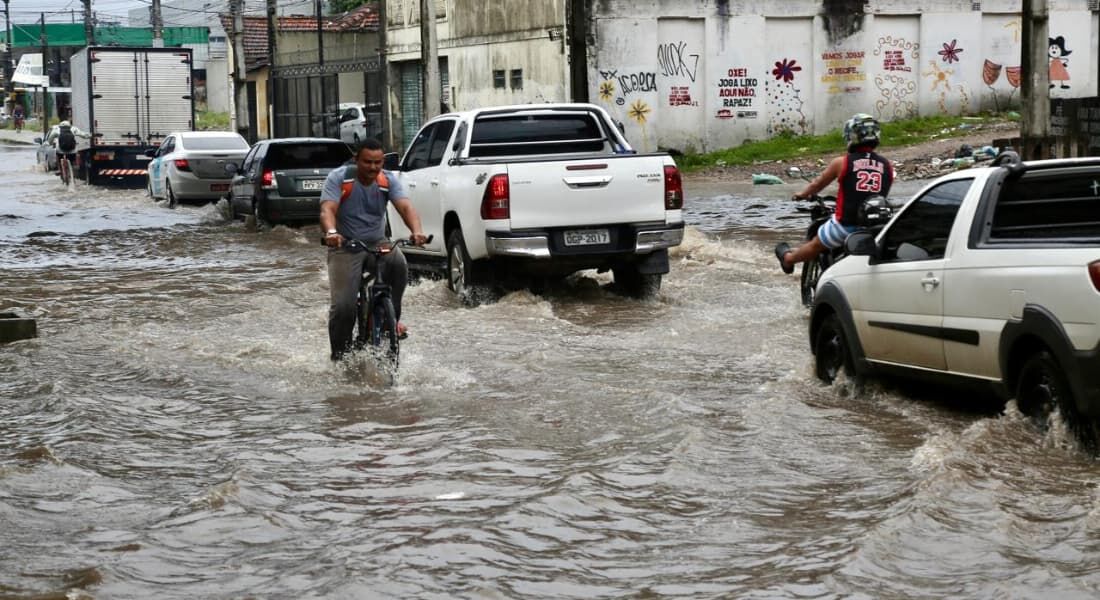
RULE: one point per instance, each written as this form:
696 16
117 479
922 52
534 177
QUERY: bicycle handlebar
367 246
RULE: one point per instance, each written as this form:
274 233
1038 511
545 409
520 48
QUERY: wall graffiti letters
736 90
675 63
638 82
844 70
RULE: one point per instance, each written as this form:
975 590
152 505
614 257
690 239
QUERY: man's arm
330 205
411 218
824 179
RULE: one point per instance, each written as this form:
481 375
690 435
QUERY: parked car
280 180
358 124
47 153
989 276
190 165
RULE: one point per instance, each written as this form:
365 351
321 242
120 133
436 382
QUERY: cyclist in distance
861 174
353 207
65 137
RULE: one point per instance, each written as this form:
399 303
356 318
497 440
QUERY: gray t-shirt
363 215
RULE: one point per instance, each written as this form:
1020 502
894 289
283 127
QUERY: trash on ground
765 179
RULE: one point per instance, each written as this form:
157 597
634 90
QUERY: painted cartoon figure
1058 63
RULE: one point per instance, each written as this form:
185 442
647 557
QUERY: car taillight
674 189
181 164
267 180
495 202
1094 274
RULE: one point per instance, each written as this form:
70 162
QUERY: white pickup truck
519 193
988 275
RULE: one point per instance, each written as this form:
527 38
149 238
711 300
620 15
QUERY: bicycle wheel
66 169
388 344
362 321
811 272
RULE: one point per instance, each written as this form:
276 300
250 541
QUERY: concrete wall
699 76
478 37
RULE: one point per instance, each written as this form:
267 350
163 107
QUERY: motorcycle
874 214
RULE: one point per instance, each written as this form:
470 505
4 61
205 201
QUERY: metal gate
412 99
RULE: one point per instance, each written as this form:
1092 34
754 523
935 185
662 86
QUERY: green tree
336 7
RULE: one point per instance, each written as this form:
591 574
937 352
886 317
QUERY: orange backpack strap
348 184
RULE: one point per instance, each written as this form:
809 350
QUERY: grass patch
787 146
206 120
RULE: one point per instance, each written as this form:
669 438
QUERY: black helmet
862 130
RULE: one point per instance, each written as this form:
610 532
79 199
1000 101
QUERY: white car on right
988 275
358 122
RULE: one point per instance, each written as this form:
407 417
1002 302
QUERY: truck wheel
634 284
149 188
831 352
1042 388
460 269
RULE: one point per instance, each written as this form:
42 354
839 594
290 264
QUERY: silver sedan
190 165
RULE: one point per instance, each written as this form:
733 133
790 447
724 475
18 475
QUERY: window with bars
517 79
498 79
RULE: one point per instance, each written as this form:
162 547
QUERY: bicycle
375 317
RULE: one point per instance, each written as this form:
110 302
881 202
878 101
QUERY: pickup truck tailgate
606 190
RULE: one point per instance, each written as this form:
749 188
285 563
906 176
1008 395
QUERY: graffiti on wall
942 78
676 63
844 71
1058 62
737 94
616 87
896 90
785 100
991 72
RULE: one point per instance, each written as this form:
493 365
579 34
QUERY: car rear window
1048 206
306 155
214 143
535 134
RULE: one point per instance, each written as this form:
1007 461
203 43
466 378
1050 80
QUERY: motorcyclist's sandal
781 250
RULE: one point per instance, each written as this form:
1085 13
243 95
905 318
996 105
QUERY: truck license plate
586 237
313 184
219 187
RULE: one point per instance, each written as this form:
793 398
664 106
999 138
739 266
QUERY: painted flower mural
950 52
607 90
639 111
785 70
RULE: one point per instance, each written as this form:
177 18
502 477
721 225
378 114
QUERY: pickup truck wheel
831 353
459 267
635 284
1042 388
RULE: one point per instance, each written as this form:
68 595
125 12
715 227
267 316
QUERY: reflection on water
178 430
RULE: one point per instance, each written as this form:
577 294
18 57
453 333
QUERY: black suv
280 180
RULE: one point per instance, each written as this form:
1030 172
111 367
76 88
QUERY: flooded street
177 431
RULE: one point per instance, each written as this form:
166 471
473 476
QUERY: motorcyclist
64 138
861 174
353 207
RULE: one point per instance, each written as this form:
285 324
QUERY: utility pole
429 55
89 29
321 63
46 79
272 44
1034 90
158 25
384 78
8 86
240 89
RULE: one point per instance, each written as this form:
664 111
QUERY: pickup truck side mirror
861 243
38 140
231 168
390 161
151 153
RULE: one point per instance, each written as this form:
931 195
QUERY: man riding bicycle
861 174
66 136
353 207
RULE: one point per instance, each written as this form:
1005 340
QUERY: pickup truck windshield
536 134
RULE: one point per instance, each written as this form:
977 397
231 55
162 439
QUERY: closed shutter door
411 101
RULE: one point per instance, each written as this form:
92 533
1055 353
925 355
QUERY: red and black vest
865 174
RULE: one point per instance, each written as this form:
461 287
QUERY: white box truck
129 100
